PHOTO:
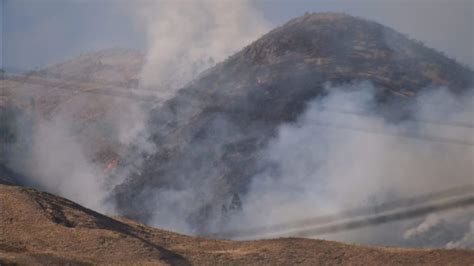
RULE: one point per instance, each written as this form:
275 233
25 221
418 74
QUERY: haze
37 33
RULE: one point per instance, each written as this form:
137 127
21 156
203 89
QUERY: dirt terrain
40 228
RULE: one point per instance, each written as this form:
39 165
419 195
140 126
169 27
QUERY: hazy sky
2 10
41 32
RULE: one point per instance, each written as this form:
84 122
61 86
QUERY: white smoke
467 241
187 37
59 152
452 229
430 221
60 165
328 161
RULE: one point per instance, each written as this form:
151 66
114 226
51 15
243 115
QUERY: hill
110 66
83 97
209 136
40 228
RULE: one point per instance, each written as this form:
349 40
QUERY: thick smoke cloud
187 37
324 164
61 165
184 39
58 151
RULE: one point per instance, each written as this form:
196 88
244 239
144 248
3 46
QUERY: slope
40 228
208 136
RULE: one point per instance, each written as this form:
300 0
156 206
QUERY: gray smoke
327 162
187 37
184 39
430 222
57 150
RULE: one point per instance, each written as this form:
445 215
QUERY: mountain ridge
230 113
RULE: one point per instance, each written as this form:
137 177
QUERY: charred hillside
208 137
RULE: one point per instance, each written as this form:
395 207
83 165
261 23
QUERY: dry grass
40 228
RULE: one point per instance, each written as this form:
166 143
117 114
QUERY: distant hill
40 228
109 66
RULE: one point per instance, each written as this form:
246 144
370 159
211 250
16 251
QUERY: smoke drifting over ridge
187 37
321 165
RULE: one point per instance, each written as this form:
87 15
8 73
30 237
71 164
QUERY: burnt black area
216 127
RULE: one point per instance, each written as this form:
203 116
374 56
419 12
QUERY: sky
37 33
2 10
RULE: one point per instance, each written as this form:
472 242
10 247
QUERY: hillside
40 228
207 139
85 95
209 136
111 66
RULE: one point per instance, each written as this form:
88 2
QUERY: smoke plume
184 39
187 37
330 161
